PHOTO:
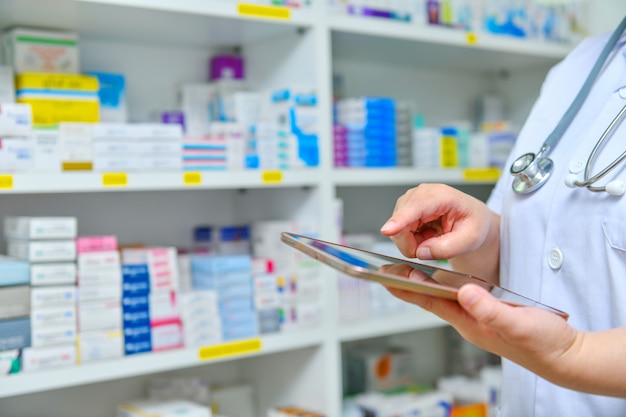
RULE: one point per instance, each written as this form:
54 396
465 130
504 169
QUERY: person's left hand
538 340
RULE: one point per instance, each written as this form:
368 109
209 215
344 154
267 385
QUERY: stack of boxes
15 328
230 276
99 300
368 137
298 281
136 147
16 149
404 134
223 148
152 320
48 244
199 311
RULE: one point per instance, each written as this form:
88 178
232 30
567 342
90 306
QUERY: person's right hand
435 221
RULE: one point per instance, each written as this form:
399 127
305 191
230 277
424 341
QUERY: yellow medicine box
56 98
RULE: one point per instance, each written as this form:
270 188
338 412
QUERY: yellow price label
471 38
481 174
6 182
229 349
263 12
115 179
192 178
272 177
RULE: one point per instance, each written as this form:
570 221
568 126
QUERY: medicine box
16 120
53 316
14 302
136 347
40 227
99 344
33 50
99 315
16 154
171 408
42 250
13 271
99 276
14 334
99 292
109 259
167 336
52 274
56 98
53 335
112 95
46 149
85 244
10 362
75 148
41 358
64 295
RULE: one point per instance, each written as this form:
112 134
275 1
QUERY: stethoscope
531 170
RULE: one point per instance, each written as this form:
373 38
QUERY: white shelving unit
159 44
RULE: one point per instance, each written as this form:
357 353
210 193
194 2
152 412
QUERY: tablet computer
400 273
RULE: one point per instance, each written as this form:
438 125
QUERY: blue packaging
135 272
135 303
112 96
135 318
13 271
234 305
137 333
135 288
15 334
221 264
135 347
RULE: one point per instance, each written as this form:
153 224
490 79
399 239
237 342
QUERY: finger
487 310
406 242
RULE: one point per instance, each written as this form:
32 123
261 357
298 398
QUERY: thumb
485 308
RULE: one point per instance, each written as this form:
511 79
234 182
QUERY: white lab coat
567 247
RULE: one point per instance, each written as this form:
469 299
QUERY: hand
435 221
536 339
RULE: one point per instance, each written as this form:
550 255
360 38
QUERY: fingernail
468 296
388 226
424 253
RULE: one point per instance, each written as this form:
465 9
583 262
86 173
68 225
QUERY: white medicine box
33 50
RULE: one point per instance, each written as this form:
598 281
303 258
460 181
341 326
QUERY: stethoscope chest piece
531 172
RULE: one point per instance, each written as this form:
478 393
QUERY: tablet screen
400 273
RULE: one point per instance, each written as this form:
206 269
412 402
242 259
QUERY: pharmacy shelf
22 183
150 363
357 177
188 22
410 321
421 45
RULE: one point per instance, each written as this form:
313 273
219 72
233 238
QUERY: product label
272 177
6 182
192 178
471 38
449 153
263 12
229 349
115 179
490 174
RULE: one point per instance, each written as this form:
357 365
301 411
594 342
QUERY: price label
192 178
481 174
471 38
229 349
6 182
264 12
272 177
115 179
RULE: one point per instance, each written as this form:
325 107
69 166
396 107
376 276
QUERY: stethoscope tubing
607 132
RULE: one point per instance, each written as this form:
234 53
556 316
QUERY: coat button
555 259
577 165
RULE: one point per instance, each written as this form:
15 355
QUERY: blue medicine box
13 271
15 334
